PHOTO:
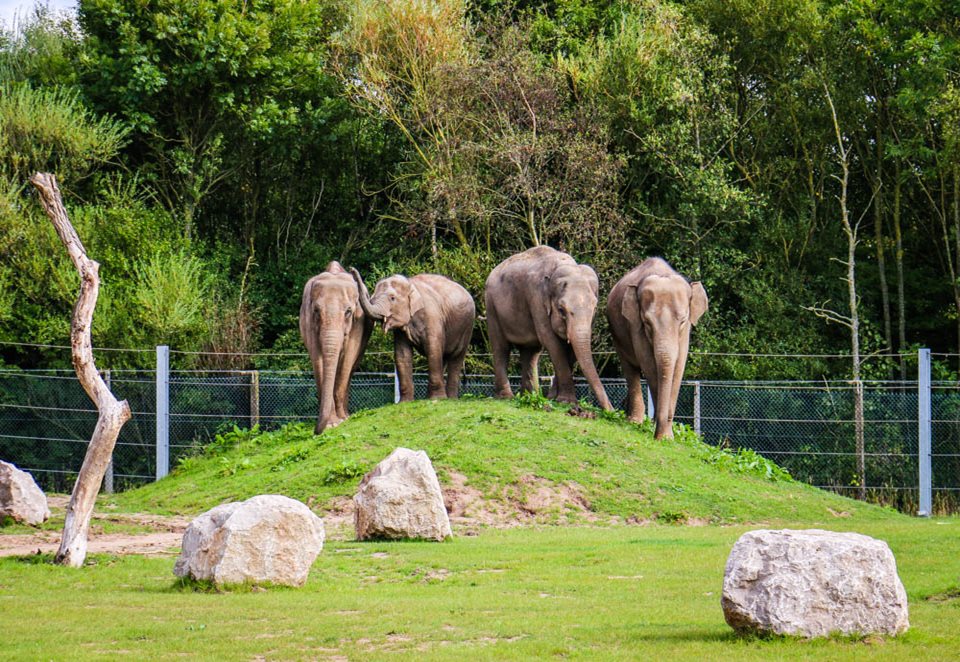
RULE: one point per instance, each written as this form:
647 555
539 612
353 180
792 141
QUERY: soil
529 500
161 538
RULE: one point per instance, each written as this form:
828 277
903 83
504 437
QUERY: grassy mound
499 461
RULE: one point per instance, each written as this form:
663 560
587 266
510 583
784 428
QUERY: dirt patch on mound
530 499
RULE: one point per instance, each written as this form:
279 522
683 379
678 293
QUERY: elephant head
663 308
394 302
328 313
571 299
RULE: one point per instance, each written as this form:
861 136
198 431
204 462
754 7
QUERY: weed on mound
502 462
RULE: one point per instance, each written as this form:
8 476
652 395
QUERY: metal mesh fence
808 428
46 420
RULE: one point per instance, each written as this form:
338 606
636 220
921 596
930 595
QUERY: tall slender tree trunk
898 253
882 259
852 321
878 208
956 247
851 233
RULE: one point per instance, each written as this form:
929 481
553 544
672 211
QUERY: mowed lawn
620 592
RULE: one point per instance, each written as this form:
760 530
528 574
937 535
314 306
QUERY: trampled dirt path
531 500
160 535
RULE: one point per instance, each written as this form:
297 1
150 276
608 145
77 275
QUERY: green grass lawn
571 583
622 592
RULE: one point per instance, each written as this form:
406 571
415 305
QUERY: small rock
269 538
20 496
400 499
813 583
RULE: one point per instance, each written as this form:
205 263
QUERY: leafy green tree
205 86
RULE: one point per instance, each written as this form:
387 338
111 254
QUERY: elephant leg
500 349
434 354
318 380
529 373
648 364
454 368
634 405
351 352
562 371
555 382
403 358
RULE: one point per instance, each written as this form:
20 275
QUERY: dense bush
214 155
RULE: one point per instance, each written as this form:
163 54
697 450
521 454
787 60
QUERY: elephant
541 298
335 330
429 313
651 310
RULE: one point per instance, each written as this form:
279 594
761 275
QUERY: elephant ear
698 301
591 276
630 306
546 295
415 299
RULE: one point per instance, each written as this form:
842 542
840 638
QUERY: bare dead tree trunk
112 414
852 320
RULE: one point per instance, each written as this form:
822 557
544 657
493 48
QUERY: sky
9 8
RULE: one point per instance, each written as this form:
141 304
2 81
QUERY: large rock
269 538
20 496
401 498
813 583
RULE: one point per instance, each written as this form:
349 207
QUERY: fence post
396 387
163 411
254 398
924 433
108 476
696 407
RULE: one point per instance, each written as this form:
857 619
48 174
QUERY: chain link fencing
808 428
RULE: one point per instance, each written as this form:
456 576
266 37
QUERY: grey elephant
651 310
335 330
542 299
429 313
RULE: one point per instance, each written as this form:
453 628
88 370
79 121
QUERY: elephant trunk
369 309
580 342
332 344
666 367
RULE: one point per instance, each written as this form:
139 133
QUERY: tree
112 414
393 57
205 86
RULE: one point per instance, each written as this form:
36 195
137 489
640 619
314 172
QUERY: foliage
171 294
745 460
533 400
49 130
264 139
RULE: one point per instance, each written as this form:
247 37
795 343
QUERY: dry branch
112 413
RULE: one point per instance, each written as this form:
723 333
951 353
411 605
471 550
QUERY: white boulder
20 496
268 538
813 583
401 498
